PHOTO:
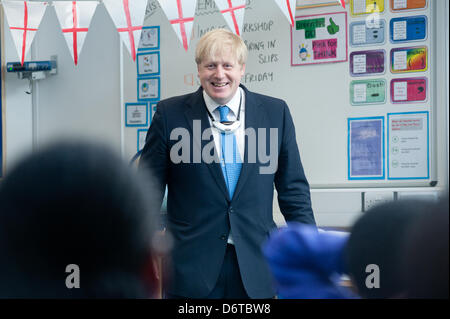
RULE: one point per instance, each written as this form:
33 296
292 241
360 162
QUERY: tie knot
224 110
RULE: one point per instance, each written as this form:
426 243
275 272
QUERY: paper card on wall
148 89
398 30
359 63
400 60
411 59
128 17
319 38
141 135
367 62
358 34
361 35
359 92
136 114
368 92
400 90
406 90
74 18
366 148
148 63
181 16
233 13
408 145
408 29
399 5
288 9
360 7
149 38
24 18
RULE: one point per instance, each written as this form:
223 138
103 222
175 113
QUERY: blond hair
215 41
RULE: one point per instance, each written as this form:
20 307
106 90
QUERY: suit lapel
252 120
196 110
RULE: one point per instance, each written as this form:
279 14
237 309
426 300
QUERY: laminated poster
406 29
361 7
366 148
368 92
408 145
320 38
136 114
407 90
406 5
367 62
411 59
148 88
364 34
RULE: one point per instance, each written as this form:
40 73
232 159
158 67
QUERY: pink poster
408 90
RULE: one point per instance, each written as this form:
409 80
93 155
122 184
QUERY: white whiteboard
317 95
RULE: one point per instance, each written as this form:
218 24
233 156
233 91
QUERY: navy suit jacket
200 213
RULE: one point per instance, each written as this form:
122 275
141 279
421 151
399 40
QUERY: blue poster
366 148
405 29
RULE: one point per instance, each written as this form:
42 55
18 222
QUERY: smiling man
220 212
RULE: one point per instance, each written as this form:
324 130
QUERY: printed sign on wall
320 38
363 34
368 92
408 145
148 63
412 59
149 38
367 62
360 7
366 148
408 29
400 5
408 90
136 114
148 89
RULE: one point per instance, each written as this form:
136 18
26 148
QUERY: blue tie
231 161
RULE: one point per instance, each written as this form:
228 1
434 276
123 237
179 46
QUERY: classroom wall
87 101
78 102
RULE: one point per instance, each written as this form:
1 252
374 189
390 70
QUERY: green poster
368 92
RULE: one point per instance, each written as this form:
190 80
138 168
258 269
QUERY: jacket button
231 210
223 237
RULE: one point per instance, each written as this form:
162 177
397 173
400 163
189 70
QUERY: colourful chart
412 59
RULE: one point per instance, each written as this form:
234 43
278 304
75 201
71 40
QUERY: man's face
220 76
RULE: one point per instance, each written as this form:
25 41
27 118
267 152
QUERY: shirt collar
233 104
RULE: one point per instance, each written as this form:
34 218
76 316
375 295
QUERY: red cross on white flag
128 17
288 8
233 12
75 18
24 18
181 15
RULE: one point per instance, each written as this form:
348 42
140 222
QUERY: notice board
359 83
